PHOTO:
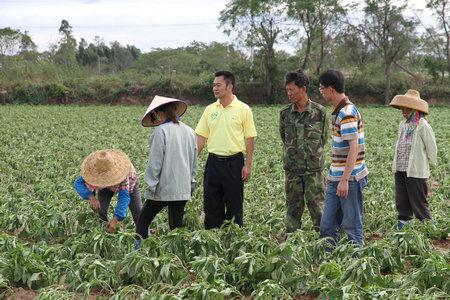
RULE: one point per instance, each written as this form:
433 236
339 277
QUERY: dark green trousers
301 190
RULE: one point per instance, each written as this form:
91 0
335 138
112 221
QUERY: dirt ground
442 245
21 294
28 294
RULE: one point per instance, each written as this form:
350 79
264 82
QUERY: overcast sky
146 24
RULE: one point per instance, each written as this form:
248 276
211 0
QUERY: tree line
379 46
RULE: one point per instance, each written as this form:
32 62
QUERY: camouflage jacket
304 135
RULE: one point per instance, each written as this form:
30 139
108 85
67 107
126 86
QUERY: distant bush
161 86
201 89
365 88
436 93
31 93
56 91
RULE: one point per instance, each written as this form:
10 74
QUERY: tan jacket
423 150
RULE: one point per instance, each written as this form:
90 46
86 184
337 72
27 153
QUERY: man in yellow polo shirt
228 130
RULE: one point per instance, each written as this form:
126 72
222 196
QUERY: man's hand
342 189
94 203
201 141
111 226
246 171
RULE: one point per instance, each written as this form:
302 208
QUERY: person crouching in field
104 173
172 164
414 150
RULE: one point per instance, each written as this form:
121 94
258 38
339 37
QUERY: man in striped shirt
347 176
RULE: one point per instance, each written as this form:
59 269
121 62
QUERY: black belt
225 158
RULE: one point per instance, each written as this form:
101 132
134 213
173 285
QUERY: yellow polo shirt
226 129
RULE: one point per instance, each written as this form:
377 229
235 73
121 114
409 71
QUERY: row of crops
51 242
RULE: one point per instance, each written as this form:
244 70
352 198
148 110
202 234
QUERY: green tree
13 42
431 54
352 50
315 17
65 50
87 56
134 51
28 49
390 32
431 51
121 57
259 24
194 60
441 9
303 11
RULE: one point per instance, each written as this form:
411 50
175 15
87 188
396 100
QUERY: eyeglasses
322 88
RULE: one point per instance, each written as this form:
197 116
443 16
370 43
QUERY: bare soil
374 237
29 294
303 297
21 294
441 245
281 239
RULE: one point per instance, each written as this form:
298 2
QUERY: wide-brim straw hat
410 100
157 102
104 168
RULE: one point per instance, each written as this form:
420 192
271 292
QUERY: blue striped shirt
347 126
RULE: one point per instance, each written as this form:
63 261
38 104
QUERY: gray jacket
172 163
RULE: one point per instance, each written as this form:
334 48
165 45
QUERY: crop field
52 245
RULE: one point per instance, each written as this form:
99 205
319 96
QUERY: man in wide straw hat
172 164
104 173
414 150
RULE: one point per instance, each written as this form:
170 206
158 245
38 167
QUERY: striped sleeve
349 123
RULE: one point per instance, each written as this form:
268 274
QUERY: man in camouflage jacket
303 130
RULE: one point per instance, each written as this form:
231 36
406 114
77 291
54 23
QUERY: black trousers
223 190
411 197
152 208
105 195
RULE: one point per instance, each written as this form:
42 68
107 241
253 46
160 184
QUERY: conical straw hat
158 101
410 100
105 168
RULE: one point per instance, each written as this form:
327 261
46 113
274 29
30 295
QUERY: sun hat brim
104 168
159 101
411 101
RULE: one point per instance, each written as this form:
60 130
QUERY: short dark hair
333 78
298 77
227 76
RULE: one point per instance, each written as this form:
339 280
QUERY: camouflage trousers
301 189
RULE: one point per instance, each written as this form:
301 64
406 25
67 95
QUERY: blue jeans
343 211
